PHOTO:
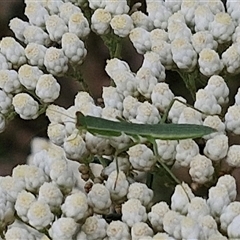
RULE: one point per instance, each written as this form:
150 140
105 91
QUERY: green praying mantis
151 132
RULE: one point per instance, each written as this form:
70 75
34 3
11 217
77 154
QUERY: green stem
163 165
190 79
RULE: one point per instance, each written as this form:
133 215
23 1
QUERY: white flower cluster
49 194
28 68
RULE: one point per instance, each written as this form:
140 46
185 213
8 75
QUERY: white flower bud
161 96
99 199
146 81
167 150
190 116
140 39
73 48
75 206
206 102
55 61
54 113
233 156
118 230
78 25
95 228
236 35
34 34
209 62
56 27
4 64
133 212
177 16
233 229
163 49
13 51
152 61
141 157
176 109
112 98
188 9
18 233
156 215
203 17
222 27
53 6
39 215
122 25
23 203
233 9
231 59
100 21
190 228
208 226
140 230
111 113
66 10
178 29
158 35
5 102
185 151
147 113
201 169
82 98
198 208
125 82
218 199
180 200
183 54
173 6
217 147
142 20
61 173
116 7
51 194
218 87
232 119
95 4
117 185
17 25
141 192
35 54
162 236
216 6
230 183
74 146
158 13
9 81
216 123
171 224
228 214
25 106
203 39
63 228
130 106
29 75
56 133
47 88
115 64
34 177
